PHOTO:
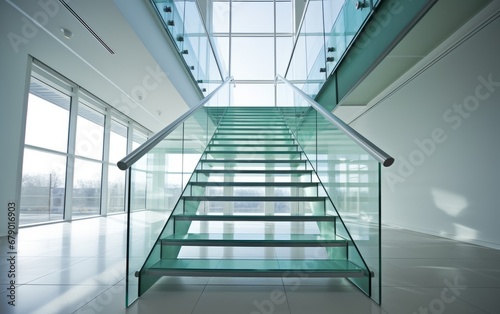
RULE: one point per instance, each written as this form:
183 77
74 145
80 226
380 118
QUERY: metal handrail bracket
142 150
377 153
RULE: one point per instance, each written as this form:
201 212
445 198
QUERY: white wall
90 67
20 40
443 128
13 73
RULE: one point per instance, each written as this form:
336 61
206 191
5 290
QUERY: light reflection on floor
79 267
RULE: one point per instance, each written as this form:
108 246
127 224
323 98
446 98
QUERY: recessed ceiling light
67 33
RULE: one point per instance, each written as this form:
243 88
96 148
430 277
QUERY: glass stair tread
254 240
258 140
255 198
250 153
252 117
254 161
266 130
256 184
246 121
256 268
252 134
252 145
287 218
229 123
253 171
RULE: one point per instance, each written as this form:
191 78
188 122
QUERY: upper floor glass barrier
328 28
184 23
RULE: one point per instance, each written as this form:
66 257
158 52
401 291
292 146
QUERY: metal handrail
377 153
142 150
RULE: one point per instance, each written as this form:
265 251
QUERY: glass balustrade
327 30
350 176
157 180
184 23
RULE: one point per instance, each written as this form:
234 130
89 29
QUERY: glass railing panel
193 52
162 189
297 70
335 37
351 178
313 31
196 130
157 181
328 28
183 21
316 77
198 50
171 12
292 106
355 13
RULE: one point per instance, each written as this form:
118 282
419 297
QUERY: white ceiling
119 79
143 63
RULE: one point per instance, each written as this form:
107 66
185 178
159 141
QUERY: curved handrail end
122 165
388 162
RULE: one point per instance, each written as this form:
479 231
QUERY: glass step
256 110
256 268
251 188
294 146
254 184
264 119
252 112
252 135
243 164
250 147
254 125
254 117
255 141
232 198
250 175
288 218
260 227
273 122
267 155
254 239
253 121
269 129
252 161
253 171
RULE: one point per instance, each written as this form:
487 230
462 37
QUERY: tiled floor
79 267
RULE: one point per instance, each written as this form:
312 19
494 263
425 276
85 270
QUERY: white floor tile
180 299
399 300
111 301
93 271
242 299
49 299
32 268
80 266
484 298
330 299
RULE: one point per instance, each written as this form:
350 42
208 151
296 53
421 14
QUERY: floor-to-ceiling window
88 161
73 141
254 40
45 152
116 177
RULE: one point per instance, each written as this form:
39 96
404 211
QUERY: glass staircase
254 206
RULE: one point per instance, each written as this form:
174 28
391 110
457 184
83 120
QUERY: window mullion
70 162
105 165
